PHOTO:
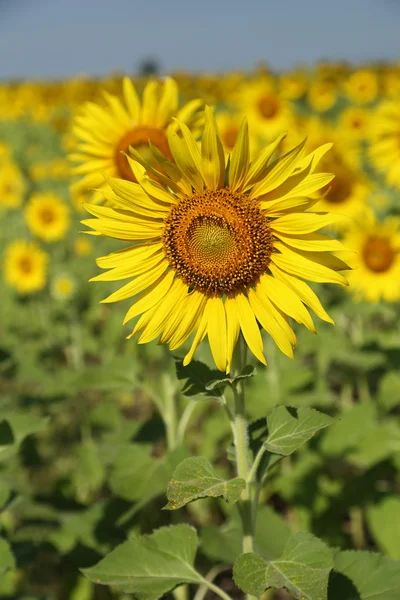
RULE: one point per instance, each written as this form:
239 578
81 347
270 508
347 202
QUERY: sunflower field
173 422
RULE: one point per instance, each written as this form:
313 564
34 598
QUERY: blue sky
58 38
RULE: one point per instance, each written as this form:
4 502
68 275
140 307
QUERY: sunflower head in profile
375 248
104 134
25 266
218 248
47 216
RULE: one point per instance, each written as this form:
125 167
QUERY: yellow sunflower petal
131 99
296 264
216 330
249 327
233 329
184 160
149 103
212 154
278 171
189 310
259 166
151 296
303 291
301 223
200 335
268 322
168 104
140 283
239 163
283 297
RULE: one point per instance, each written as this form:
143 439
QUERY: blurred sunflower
384 142
293 85
83 247
104 134
362 86
354 123
346 195
322 95
25 266
268 113
215 253
376 261
47 216
63 287
12 185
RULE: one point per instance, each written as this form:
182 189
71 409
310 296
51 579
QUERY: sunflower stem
241 440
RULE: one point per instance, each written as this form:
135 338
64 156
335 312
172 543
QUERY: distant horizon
58 39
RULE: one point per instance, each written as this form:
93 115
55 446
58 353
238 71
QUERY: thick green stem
241 440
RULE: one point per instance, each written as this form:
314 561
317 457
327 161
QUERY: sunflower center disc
47 216
268 107
378 254
218 241
139 138
25 265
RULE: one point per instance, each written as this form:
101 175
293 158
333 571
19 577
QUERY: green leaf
303 569
149 566
378 444
289 428
197 376
384 522
249 573
347 431
7 560
389 390
373 577
248 372
138 476
225 543
89 474
195 478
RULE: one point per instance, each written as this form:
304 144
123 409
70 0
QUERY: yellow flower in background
376 258
384 148
12 185
104 133
268 113
215 254
83 247
63 287
47 216
362 86
346 195
354 123
25 266
322 95
293 85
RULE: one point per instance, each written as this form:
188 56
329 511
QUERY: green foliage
152 565
384 521
364 576
289 428
195 478
303 569
7 560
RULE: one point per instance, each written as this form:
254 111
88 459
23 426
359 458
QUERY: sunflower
216 251
47 216
354 123
63 287
322 95
25 266
384 148
12 185
362 86
376 258
105 134
269 114
347 194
